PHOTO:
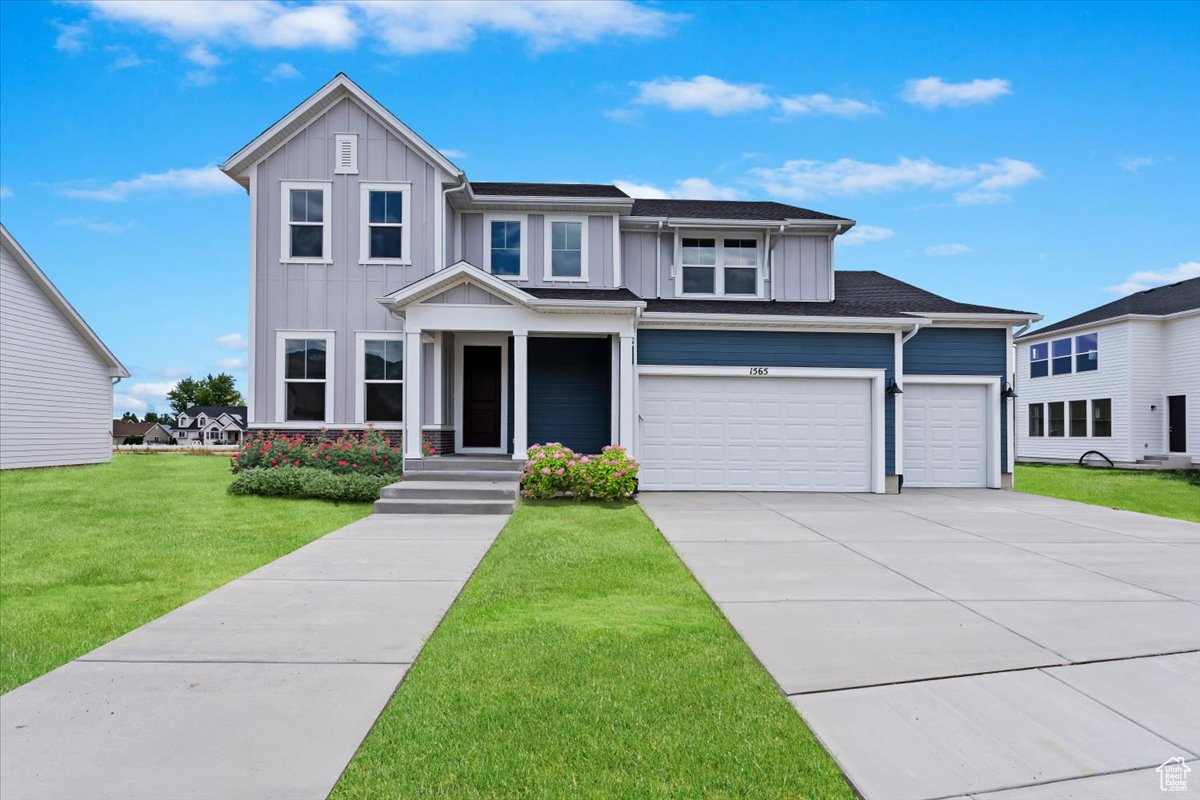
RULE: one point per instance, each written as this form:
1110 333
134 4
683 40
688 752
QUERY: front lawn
583 660
89 553
1167 494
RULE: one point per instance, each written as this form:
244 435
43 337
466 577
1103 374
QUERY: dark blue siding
961 351
777 349
570 392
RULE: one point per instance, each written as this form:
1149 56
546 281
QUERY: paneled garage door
755 434
945 434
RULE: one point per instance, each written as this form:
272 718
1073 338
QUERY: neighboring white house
211 425
1122 379
52 367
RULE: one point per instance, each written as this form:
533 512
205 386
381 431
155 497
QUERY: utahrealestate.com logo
1172 775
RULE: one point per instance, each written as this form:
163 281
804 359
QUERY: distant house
211 425
157 434
122 430
1122 379
52 367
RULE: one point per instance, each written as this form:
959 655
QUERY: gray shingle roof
875 288
546 190
1159 301
553 293
725 209
212 412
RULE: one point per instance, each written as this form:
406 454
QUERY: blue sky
1034 156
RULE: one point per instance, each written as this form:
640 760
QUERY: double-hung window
384 225
305 366
1102 417
504 253
1085 352
305 228
566 249
1037 419
722 266
1079 417
1039 360
1060 356
381 377
1057 424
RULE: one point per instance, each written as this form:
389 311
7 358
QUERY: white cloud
1141 281
934 92
141 396
803 179
450 152
200 180
947 250
71 37
151 389
807 104
624 115
233 363
688 188
5 192
123 57
702 93
123 401
96 225
282 72
258 23
233 341
865 234
200 55
1136 164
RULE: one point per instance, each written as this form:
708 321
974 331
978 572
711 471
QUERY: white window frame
360 378
281 337
719 276
1076 352
341 140
548 248
523 219
285 227
1033 361
1070 356
364 221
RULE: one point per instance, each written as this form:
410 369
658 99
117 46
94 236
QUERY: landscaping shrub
351 453
310 482
553 469
133 440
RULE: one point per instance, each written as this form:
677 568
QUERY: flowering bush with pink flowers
554 469
367 452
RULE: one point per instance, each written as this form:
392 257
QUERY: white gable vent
345 154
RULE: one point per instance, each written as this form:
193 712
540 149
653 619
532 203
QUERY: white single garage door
755 434
945 434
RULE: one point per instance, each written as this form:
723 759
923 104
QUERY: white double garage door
767 433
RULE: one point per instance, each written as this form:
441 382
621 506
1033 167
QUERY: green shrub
553 469
549 471
133 440
300 482
365 453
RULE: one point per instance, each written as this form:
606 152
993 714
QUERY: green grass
89 553
583 661
1167 494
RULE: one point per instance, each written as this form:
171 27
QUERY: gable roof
318 103
883 291
125 428
115 368
1157 302
546 189
766 211
236 413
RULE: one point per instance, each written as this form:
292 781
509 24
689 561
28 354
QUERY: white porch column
520 357
439 380
412 393
627 405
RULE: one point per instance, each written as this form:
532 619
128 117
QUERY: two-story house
210 425
713 339
1121 379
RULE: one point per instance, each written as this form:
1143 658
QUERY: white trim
618 265
461 340
614 432
439 412
340 139
520 357
364 225
252 354
523 220
628 377
719 267
360 398
992 382
672 319
898 406
281 337
285 225
413 352
1010 405
548 221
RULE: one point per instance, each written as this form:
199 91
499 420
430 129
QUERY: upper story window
304 390
720 266
384 227
1085 353
504 254
1039 360
1060 356
305 230
566 249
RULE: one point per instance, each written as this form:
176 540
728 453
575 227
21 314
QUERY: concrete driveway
954 643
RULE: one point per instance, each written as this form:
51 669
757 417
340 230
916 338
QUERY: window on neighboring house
1079 417
1039 360
305 222
1057 427
304 379
1037 419
1060 352
384 230
720 266
1085 353
566 249
383 380
1102 417
504 255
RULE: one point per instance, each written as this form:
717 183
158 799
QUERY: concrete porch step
390 505
450 490
510 475
460 463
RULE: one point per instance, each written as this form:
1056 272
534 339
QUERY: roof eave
725 222
983 318
674 318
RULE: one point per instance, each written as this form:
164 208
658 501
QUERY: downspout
658 261
771 257
445 220
898 406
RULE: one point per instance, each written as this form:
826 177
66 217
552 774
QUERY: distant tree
129 416
161 419
218 390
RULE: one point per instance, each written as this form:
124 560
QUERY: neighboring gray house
157 434
211 425
52 367
713 339
123 429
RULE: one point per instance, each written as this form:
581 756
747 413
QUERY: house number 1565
758 371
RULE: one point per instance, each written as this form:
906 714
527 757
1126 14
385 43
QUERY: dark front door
481 397
1177 423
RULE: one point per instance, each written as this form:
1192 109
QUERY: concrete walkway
263 688
955 643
